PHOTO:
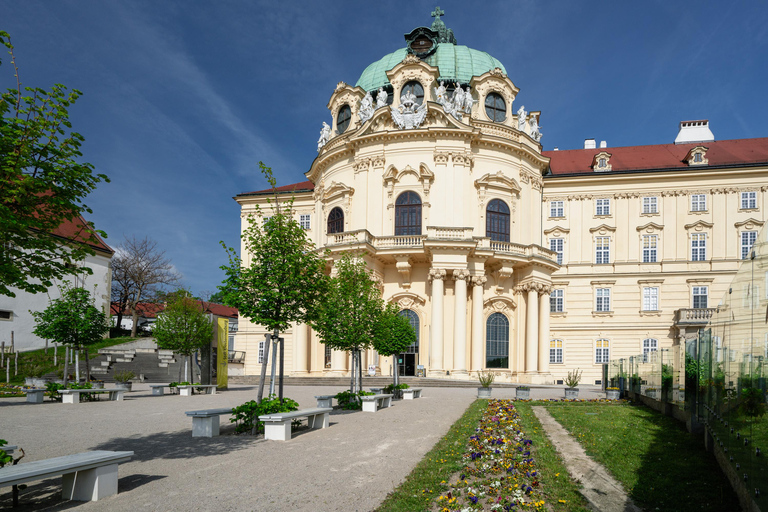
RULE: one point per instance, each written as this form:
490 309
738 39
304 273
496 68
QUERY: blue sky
183 98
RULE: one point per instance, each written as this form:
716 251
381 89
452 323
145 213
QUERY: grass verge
661 466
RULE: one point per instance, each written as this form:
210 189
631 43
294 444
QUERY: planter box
612 394
484 392
571 393
522 394
97 385
34 382
128 386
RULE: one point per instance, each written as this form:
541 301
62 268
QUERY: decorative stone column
532 330
300 349
461 278
436 276
544 329
339 362
477 323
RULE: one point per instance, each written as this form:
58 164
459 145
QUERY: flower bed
11 390
499 469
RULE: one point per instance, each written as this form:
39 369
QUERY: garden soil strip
602 491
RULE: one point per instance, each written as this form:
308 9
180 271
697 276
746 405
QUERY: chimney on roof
603 144
556 149
694 131
589 144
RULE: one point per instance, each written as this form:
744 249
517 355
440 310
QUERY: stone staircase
159 366
368 382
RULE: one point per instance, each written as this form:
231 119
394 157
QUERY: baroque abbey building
530 263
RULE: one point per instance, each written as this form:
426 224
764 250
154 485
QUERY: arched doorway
408 360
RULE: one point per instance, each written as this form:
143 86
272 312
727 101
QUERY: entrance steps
368 382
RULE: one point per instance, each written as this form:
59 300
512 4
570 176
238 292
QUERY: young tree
139 269
347 318
42 185
72 320
393 335
282 279
183 327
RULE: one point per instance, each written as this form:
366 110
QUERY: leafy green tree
348 317
42 185
393 335
72 320
282 279
183 327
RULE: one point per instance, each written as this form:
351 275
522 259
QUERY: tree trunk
275 340
66 365
282 367
119 320
264 362
181 367
360 370
135 326
87 366
396 372
77 366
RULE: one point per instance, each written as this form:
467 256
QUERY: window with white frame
602 250
747 240
556 301
603 299
306 221
700 295
556 245
650 243
649 345
556 209
602 351
327 356
602 206
698 247
261 352
748 200
650 298
750 297
556 351
698 202
650 205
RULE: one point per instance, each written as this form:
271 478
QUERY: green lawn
661 466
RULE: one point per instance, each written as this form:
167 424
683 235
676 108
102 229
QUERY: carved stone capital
479 280
437 273
461 275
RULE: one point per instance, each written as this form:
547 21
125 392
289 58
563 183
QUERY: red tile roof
74 229
152 309
304 186
661 156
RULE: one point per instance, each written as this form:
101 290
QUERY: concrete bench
35 396
373 403
9 449
72 396
88 476
209 389
205 423
157 389
378 391
277 426
325 400
411 393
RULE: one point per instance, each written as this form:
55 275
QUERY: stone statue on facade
325 136
409 114
458 98
521 115
468 101
381 98
440 94
366 108
535 129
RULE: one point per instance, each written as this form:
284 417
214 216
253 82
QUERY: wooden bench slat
48 468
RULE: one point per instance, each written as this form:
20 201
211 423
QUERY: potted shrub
486 378
123 380
97 384
612 393
35 379
395 391
173 388
523 392
571 381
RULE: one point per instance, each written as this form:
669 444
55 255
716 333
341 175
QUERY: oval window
414 88
495 107
342 122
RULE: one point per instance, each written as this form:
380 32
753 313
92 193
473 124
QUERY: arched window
497 221
336 221
414 87
408 214
342 121
495 107
497 341
413 318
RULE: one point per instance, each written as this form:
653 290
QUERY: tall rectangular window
747 240
556 351
261 352
556 209
327 354
556 301
602 206
698 203
556 245
602 351
603 299
650 299
700 294
698 247
649 345
602 250
650 205
305 221
650 243
748 200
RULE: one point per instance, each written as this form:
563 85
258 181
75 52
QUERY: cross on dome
437 13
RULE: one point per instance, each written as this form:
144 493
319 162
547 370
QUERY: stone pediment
499 304
423 173
335 190
699 225
557 231
749 224
602 228
498 181
651 226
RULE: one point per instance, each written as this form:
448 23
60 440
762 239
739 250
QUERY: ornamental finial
437 13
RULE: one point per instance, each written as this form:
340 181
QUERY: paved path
602 491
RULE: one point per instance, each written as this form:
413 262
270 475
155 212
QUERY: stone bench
209 389
88 476
373 403
35 396
9 449
325 400
157 389
205 423
411 393
277 426
72 396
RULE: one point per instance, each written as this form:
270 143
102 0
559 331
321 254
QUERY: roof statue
409 114
521 115
381 98
468 101
445 34
325 136
366 107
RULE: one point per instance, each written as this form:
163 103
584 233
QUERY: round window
495 107
414 88
342 122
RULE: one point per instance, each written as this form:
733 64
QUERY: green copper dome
457 63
